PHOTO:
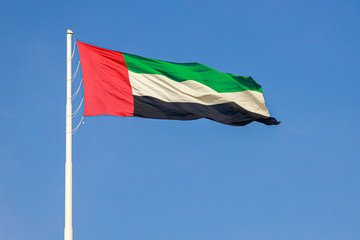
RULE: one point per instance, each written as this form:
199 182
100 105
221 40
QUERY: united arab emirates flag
122 84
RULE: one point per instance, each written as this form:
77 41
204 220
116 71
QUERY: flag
122 84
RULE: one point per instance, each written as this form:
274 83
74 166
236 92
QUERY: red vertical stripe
107 89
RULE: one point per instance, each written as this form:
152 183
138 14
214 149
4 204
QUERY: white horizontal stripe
190 91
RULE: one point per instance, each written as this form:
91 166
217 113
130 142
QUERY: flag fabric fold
122 84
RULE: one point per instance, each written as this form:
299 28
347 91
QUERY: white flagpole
68 231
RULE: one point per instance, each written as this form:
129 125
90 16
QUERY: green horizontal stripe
220 82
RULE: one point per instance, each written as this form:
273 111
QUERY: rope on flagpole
72 55
77 127
77 91
78 108
74 47
76 72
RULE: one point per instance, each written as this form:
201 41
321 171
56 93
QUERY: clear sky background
138 179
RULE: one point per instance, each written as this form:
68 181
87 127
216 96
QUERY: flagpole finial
69 31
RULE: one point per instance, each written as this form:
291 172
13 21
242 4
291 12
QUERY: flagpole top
69 31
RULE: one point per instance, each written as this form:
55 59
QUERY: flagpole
68 231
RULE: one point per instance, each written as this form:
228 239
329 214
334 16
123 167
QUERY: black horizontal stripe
227 113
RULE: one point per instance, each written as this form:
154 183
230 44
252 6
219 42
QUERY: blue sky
154 179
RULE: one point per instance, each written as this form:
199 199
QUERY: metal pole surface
68 231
